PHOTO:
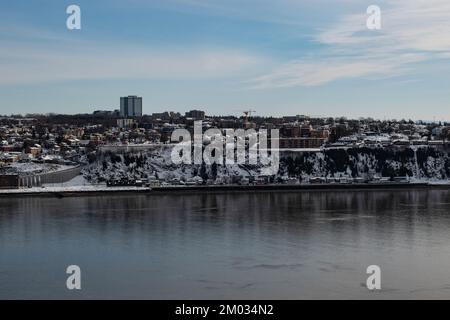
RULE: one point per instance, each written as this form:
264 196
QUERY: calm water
213 246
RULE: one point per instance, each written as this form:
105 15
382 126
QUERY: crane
247 113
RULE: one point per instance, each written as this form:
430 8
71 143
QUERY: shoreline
89 191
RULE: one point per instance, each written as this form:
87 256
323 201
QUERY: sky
284 57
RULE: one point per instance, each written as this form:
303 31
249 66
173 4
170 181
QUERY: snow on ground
439 182
77 184
54 189
31 167
77 181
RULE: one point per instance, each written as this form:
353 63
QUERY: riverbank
101 190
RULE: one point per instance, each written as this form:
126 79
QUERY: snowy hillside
426 163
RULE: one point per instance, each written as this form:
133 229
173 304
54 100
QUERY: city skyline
284 58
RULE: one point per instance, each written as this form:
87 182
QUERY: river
244 245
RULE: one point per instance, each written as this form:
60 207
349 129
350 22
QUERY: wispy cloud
412 31
25 62
315 71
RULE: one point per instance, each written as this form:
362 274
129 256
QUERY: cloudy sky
283 57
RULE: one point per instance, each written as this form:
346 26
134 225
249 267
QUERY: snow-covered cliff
425 163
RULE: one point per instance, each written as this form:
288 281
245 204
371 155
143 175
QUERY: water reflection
271 245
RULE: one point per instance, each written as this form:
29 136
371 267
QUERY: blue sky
283 57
